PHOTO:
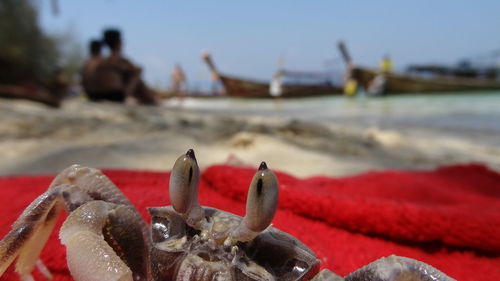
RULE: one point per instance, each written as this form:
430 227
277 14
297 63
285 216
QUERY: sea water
475 111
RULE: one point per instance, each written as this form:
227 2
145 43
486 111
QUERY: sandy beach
36 139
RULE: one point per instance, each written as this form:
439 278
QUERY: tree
26 52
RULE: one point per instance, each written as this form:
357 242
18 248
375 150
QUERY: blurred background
323 87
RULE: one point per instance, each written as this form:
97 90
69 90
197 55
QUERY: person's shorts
116 96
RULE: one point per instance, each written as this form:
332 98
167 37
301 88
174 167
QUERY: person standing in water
178 86
276 85
386 64
178 80
379 83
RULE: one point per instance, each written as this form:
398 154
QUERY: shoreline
35 139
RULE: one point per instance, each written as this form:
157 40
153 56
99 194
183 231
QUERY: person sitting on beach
89 69
118 79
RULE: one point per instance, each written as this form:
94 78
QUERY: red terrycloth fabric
449 218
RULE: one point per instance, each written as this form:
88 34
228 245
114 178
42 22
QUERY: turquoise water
469 111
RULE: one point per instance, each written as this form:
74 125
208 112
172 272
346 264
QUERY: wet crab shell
181 251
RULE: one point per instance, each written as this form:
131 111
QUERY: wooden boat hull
246 88
237 87
403 84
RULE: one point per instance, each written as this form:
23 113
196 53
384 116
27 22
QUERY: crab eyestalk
184 181
262 202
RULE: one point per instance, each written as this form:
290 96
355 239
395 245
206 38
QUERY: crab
107 239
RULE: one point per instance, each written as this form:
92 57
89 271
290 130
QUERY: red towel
449 218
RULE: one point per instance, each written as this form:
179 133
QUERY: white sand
36 139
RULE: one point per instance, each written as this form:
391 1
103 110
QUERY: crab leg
327 275
43 269
391 268
31 231
397 268
72 188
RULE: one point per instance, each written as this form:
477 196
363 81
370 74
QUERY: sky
246 38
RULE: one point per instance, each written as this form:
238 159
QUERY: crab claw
183 189
262 202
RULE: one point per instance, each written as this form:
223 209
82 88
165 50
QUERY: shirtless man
117 79
89 70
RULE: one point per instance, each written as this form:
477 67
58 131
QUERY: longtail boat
403 83
248 88
407 83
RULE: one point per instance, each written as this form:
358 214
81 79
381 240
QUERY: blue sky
247 37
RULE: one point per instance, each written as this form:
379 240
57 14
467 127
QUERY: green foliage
71 54
26 51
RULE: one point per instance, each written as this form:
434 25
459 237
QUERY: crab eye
262 199
184 181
